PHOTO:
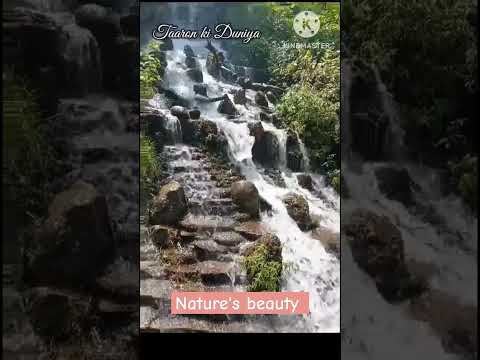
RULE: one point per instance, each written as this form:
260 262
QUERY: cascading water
312 268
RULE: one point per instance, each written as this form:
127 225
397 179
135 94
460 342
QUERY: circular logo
306 24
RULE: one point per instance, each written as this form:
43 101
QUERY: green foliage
28 158
465 175
152 67
263 273
312 105
150 167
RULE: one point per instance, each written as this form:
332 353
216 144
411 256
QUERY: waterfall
315 270
305 156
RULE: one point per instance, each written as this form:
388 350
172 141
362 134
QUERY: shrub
263 273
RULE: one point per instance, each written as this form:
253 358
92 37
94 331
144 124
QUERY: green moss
263 272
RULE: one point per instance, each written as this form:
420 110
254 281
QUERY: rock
187 49
125 73
208 250
207 127
369 134
245 196
169 206
120 279
305 181
377 248
239 97
265 117
275 90
212 65
57 314
194 114
200 89
180 112
329 240
199 223
175 99
76 241
227 74
297 208
266 150
246 248
228 238
244 82
191 63
277 121
167 44
260 99
294 153
256 130
129 24
215 272
251 230
195 74
161 236
271 97
273 244
395 184
265 206
226 106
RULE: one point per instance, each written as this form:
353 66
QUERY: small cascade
305 156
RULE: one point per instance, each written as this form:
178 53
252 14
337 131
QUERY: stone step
210 272
201 223
151 269
209 250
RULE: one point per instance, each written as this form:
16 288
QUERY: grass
263 273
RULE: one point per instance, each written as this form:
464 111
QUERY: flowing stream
312 268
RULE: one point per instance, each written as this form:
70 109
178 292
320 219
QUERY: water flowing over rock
169 206
298 210
191 63
305 181
294 153
328 238
76 240
180 112
194 114
271 97
246 196
188 51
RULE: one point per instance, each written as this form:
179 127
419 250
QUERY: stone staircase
208 253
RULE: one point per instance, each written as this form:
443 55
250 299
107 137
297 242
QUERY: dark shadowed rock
194 114
226 106
305 181
396 184
260 99
187 49
266 150
298 209
294 154
161 236
56 314
377 248
169 206
195 74
256 130
239 97
200 89
271 97
180 112
245 195
76 241
191 63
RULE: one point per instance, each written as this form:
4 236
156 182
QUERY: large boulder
195 74
187 49
266 150
169 206
395 184
57 314
212 65
76 240
294 153
245 195
180 112
191 63
377 248
194 114
298 209
261 99
305 181
329 239
239 97
256 130
226 107
200 89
